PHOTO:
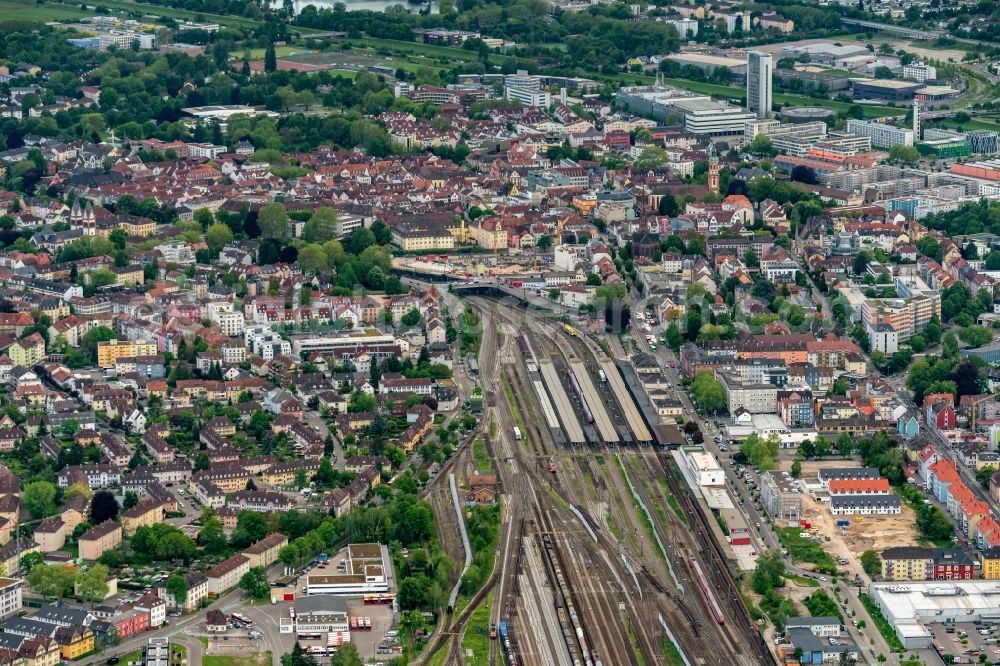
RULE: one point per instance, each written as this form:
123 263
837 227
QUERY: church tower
75 215
89 221
713 169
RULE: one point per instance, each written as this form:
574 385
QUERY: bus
309 636
517 433
377 599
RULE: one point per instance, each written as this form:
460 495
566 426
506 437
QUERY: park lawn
178 654
261 659
972 124
27 10
134 656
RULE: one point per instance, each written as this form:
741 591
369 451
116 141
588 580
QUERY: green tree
411 318
217 235
871 562
273 221
346 655
313 259
251 527
768 573
92 585
708 392
40 498
54 580
270 58
118 238
796 469
901 153
322 226
983 475
177 586
212 538
255 584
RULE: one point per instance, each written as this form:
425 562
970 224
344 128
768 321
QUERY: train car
604 377
503 630
517 433
569 329
707 591
552 467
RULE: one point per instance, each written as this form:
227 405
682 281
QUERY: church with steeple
83 219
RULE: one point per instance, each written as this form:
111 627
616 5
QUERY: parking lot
967 642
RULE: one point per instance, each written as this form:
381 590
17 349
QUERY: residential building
264 553
881 134
864 505
110 351
989 562
100 538
904 563
11 600
781 495
226 575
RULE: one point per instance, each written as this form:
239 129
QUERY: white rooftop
914 603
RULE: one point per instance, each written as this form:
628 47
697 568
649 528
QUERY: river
353 5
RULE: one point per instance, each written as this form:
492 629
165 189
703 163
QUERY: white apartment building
264 342
919 71
687 28
10 597
209 150
529 97
176 252
881 134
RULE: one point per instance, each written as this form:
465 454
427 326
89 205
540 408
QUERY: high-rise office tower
759 69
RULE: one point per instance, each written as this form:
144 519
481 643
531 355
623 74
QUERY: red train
713 604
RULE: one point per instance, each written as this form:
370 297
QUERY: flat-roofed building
781 495
368 571
704 467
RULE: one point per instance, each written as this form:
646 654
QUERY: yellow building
28 352
99 538
110 351
284 473
143 514
990 561
138 226
264 553
907 563
74 641
423 240
128 276
489 234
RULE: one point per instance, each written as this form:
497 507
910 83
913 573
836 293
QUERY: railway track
586 565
